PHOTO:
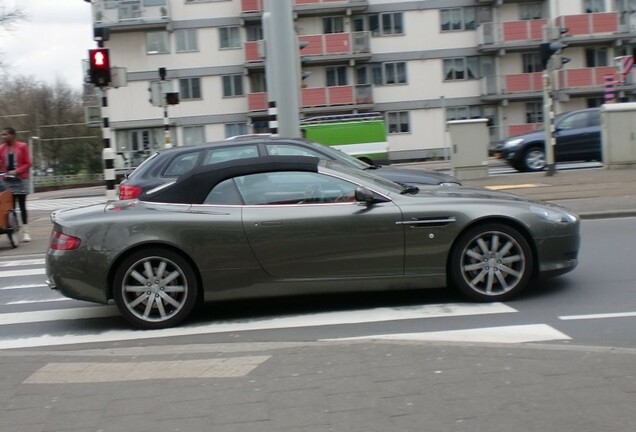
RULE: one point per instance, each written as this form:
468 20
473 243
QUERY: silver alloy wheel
154 289
493 263
534 159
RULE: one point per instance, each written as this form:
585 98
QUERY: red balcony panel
312 97
523 83
315 46
601 72
605 22
521 129
579 77
251 6
515 30
341 95
577 24
337 43
251 52
257 101
536 29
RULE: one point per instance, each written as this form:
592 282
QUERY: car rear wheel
491 262
534 159
155 288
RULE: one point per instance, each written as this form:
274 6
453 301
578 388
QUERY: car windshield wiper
410 190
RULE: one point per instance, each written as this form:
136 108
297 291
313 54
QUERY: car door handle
271 223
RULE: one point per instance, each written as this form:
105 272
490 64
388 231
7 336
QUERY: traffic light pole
548 122
167 138
107 154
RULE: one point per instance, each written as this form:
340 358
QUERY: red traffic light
99 62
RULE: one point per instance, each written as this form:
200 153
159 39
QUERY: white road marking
21 302
505 334
315 320
598 316
26 286
13 273
17 263
64 203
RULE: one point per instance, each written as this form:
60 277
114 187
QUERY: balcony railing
314 97
251 6
567 79
513 33
130 12
321 45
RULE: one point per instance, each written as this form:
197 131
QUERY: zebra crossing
63 203
31 315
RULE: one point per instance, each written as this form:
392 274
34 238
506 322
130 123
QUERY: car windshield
345 158
366 176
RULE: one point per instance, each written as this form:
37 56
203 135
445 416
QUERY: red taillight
65 242
129 192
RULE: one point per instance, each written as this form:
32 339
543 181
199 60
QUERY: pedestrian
15 163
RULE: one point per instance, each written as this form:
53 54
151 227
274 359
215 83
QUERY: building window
333 25
385 24
382 74
398 122
465 68
194 135
233 129
229 37
534 112
464 112
594 102
531 62
258 83
456 19
157 43
594 6
190 88
595 57
186 40
232 85
253 32
530 11
336 76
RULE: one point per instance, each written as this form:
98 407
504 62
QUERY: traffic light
303 74
172 98
548 49
99 66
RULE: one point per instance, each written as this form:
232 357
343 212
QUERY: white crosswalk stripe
64 203
17 297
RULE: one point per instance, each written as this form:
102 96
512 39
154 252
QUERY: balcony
309 7
530 85
583 28
319 97
323 47
130 14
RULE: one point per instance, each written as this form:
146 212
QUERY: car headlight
512 142
553 215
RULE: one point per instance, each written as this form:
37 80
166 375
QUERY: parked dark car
166 165
577 135
288 225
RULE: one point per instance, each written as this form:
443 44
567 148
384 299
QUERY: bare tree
9 17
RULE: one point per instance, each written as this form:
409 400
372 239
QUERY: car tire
161 299
491 262
533 159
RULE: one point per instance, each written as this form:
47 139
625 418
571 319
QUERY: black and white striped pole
108 154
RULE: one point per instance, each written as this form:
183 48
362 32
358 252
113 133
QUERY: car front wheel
491 262
534 159
155 288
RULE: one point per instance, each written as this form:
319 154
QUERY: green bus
360 135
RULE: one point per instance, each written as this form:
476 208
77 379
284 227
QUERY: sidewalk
592 193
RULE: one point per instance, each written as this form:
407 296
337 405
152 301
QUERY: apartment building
419 63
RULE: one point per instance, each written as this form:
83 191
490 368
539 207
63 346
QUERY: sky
51 43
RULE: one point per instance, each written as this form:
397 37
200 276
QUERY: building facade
419 63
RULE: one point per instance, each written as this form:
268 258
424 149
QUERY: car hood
480 195
413 176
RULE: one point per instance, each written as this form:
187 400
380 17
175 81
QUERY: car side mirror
365 195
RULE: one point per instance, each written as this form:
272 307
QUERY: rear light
64 242
129 192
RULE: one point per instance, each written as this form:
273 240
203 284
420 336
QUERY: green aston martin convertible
289 225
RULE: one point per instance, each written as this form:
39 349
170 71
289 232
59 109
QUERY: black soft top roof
193 187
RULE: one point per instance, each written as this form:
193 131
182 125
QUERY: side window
224 154
594 118
289 150
182 164
225 193
285 188
575 121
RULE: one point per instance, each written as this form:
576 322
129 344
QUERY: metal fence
47 182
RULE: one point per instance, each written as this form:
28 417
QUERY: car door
307 225
578 136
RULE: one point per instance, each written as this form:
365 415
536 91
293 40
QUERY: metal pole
548 122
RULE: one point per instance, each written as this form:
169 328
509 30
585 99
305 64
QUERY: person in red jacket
15 161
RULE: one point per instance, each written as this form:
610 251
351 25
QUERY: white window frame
234 129
395 121
232 82
188 88
186 40
229 37
193 135
157 43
